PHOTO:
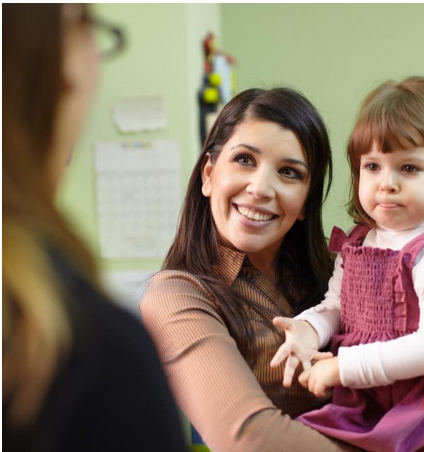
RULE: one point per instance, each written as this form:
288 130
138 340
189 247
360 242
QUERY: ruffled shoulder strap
338 237
414 246
406 307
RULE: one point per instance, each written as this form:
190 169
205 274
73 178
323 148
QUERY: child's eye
244 159
371 167
290 173
409 168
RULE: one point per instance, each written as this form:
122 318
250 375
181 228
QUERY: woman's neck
265 264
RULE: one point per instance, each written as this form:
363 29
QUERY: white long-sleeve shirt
379 363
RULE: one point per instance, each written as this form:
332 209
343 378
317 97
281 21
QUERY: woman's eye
243 159
290 173
409 168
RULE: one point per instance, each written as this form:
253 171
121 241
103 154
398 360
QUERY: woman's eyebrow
258 151
295 162
248 146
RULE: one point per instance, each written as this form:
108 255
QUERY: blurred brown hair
392 117
36 333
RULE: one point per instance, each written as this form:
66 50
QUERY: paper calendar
138 197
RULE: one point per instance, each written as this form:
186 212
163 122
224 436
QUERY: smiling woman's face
257 187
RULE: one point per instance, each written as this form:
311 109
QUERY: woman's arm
211 381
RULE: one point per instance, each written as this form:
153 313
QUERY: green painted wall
333 53
163 57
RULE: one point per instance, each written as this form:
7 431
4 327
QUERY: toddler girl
376 293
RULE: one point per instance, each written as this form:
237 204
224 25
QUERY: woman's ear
69 69
207 170
80 55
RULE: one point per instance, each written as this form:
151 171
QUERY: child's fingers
304 378
320 390
283 322
306 363
289 370
312 384
322 355
282 353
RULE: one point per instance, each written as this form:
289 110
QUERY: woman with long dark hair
249 245
78 373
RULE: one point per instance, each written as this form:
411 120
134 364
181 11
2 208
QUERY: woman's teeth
254 215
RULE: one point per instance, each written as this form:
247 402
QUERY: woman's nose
389 182
261 184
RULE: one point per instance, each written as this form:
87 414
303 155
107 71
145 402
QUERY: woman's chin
248 246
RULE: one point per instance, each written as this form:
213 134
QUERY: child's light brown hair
392 117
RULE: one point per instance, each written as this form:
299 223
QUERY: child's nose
389 182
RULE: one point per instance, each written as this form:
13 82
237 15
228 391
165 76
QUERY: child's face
391 187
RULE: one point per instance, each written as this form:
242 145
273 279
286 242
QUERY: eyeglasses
110 39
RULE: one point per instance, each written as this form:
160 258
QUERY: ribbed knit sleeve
211 381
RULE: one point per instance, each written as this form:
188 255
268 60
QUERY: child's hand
322 376
301 345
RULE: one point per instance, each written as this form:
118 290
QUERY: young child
374 308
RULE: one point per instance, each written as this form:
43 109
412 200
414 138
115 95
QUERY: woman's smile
255 213
254 217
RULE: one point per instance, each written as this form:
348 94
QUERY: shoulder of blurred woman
111 379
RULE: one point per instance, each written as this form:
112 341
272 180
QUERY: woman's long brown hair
303 263
36 330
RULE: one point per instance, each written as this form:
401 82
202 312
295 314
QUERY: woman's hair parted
303 263
391 118
35 326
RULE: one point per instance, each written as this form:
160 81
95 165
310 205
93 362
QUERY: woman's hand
300 346
322 376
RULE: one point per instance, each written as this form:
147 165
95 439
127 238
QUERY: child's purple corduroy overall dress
378 303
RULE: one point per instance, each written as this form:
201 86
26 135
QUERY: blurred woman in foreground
78 373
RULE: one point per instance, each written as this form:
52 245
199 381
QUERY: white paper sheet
138 197
136 115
